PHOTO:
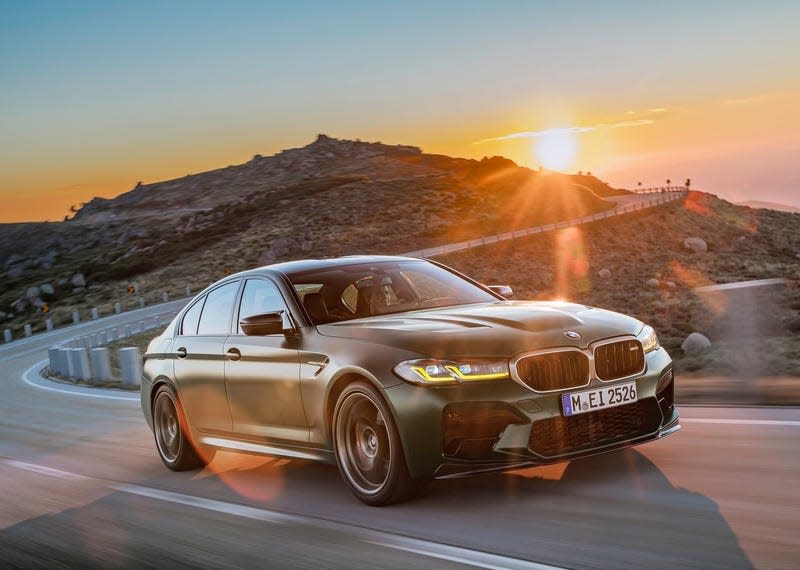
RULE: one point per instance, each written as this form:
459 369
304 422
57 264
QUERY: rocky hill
330 197
335 197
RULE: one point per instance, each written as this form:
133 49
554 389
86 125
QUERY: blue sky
114 92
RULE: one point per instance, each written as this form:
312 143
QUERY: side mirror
264 324
503 290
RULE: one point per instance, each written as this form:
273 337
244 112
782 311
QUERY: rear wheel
368 449
170 430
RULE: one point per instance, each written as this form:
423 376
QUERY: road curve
82 485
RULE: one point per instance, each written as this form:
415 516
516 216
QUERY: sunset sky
95 96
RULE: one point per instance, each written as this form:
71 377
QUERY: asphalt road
82 486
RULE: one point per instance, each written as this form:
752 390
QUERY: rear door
262 373
199 358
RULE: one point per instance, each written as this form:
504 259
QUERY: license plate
600 398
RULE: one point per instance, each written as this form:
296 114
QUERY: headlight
434 372
648 338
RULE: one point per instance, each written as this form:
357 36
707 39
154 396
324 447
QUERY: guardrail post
7 337
112 335
117 307
76 317
27 329
101 365
131 364
165 296
141 302
95 313
48 324
188 291
102 338
128 331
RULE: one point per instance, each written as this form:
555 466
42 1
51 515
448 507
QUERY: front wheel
368 449
170 430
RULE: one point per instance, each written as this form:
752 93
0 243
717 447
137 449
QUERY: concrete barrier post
188 291
127 331
117 307
48 324
28 331
52 357
60 364
81 364
72 362
141 302
131 364
7 337
101 365
165 296
102 338
95 313
76 317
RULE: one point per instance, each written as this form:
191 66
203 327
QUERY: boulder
695 343
78 280
653 283
604 273
47 289
15 271
695 244
32 292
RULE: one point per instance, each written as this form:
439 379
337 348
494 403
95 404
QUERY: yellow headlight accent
489 376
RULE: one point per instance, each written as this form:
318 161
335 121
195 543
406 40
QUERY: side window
191 318
259 297
216 315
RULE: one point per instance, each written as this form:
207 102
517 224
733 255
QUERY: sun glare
556 148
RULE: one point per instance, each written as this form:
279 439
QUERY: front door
262 373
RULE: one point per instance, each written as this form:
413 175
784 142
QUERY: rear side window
192 318
216 315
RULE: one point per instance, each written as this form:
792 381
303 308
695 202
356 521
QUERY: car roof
289 267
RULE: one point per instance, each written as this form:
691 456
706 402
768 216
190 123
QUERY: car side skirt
271 449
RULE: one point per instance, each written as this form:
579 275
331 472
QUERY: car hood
488 329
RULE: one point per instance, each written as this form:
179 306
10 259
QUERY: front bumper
467 429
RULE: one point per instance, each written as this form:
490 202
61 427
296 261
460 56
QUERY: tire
170 431
368 448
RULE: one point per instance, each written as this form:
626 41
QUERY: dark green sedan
399 370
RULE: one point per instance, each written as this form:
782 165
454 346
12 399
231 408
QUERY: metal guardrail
665 196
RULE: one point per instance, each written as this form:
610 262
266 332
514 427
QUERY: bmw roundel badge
572 334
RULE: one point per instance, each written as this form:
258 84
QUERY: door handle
234 354
181 352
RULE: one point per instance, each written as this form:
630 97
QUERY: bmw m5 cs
399 370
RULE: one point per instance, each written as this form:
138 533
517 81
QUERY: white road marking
232 509
47 470
32 378
741 422
466 556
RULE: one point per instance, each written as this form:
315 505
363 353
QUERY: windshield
364 290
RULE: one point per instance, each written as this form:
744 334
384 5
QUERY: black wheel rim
167 428
363 445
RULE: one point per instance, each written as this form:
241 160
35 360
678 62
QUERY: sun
555 148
